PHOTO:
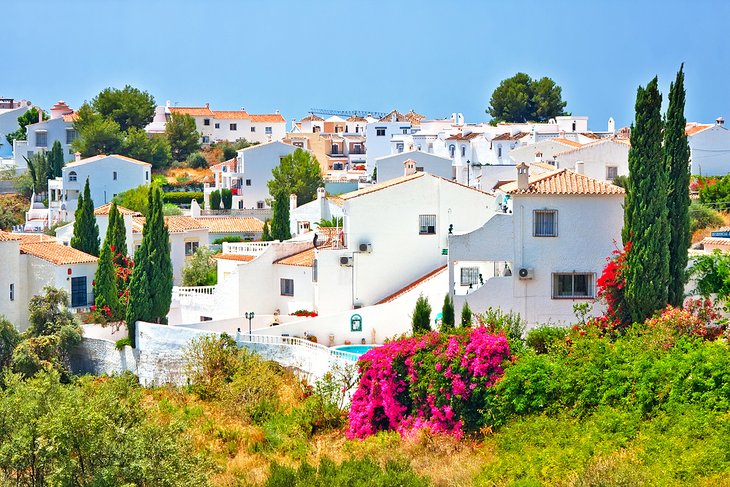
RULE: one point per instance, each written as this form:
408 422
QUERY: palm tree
331 223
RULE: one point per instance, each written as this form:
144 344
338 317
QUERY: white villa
391 166
303 219
232 125
545 253
108 176
32 262
709 146
10 110
602 159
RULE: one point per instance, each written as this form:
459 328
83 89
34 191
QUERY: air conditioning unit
526 273
365 247
346 261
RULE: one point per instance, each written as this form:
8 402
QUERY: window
452 150
357 149
573 285
287 287
419 168
217 125
71 135
430 147
545 223
114 175
499 151
12 292
399 147
72 176
611 172
248 182
206 318
335 148
146 176
404 130
41 138
469 276
380 131
268 130
253 129
233 126
260 205
206 121
314 270
191 247
206 139
463 151
573 126
427 224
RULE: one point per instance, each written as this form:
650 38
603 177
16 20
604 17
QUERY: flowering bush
304 312
434 381
610 288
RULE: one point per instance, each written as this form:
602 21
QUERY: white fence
329 354
245 248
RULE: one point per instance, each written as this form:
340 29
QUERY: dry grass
706 232
193 175
18 204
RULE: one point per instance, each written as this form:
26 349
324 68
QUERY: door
78 292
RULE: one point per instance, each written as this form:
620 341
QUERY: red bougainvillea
433 381
610 287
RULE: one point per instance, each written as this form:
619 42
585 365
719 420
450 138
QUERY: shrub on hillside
182 197
350 472
545 338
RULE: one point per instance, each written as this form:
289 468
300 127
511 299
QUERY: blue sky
434 57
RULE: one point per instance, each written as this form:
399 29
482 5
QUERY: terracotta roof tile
569 142
564 182
693 128
412 285
231 224
312 118
716 241
593 144
7 237
105 209
469 136
175 224
70 117
56 253
35 238
230 164
300 259
544 165
192 111
237 257
508 136
267 117
231 115
590 135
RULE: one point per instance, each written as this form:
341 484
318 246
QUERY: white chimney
580 167
409 167
562 134
194 208
611 125
720 121
538 156
77 156
292 202
523 176
320 193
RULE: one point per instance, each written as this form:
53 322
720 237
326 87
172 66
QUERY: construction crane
347 113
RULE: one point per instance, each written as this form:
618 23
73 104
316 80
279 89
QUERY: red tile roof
56 253
412 285
192 111
267 117
175 224
231 224
569 142
564 182
231 115
508 136
469 136
7 237
693 128
105 209
300 259
237 257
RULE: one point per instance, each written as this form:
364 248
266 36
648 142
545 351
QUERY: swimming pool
354 350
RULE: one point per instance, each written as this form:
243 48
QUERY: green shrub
229 239
124 342
421 319
196 160
701 216
227 198
215 200
544 338
171 210
182 197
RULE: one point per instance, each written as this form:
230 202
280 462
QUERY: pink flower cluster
434 381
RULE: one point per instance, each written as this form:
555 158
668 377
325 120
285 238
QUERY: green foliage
182 197
168 209
421 318
717 195
447 315
353 472
523 99
86 231
130 108
182 135
646 223
265 234
152 270
227 198
215 199
334 222
24 183
197 160
9 339
676 160
545 338
701 217
106 293
466 316
280 220
8 219
228 238
621 181
298 173
201 269
29 117
55 161
97 134
134 199
155 150
38 170
711 273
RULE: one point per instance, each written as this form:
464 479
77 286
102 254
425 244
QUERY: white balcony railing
245 248
192 291
329 353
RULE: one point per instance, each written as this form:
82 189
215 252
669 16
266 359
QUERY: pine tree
150 288
676 160
86 231
447 314
466 316
265 234
421 319
106 292
645 210
280 221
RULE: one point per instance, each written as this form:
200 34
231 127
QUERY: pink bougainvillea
433 381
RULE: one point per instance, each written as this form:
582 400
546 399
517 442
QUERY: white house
303 219
541 151
709 146
101 214
42 135
10 110
32 262
603 159
246 175
233 125
378 134
391 166
108 176
546 254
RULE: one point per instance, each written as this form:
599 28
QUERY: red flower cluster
700 183
305 313
610 288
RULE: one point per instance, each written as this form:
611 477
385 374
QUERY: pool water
356 350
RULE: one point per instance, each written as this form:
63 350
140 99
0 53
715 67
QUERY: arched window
452 150
72 176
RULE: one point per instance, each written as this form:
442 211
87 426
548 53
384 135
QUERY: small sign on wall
356 323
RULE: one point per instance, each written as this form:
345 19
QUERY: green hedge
183 198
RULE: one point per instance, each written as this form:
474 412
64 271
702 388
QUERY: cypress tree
676 159
150 287
447 314
280 220
86 231
265 234
421 319
55 161
215 200
466 315
118 233
645 210
105 283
